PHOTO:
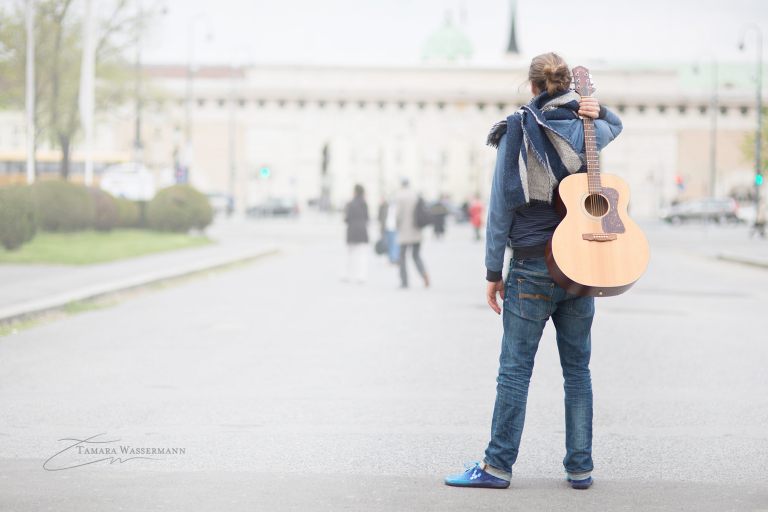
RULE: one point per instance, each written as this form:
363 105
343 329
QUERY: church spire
512 48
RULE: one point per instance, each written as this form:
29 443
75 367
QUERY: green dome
447 44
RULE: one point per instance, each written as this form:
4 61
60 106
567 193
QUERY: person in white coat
409 233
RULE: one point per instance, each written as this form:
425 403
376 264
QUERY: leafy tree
58 55
748 144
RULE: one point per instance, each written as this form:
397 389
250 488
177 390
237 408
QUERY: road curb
27 309
752 262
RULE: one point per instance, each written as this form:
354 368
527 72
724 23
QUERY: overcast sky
392 32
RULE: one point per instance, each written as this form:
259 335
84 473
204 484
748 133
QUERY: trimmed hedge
105 210
128 213
17 216
60 206
179 208
63 206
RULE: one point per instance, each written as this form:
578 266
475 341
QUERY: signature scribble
88 446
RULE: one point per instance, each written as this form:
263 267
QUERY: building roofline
175 70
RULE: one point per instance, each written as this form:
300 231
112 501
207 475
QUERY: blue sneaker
580 484
475 476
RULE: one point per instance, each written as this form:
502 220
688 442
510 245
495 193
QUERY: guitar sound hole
596 205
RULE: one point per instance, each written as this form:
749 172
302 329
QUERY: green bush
17 216
105 210
63 206
128 213
179 208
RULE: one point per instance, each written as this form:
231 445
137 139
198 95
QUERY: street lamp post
191 72
137 143
30 89
87 92
759 132
713 107
237 74
713 131
232 133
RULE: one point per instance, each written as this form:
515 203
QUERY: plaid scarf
533 180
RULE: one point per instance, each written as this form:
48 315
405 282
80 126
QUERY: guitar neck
593 158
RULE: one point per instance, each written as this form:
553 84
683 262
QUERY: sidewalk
29 289
752 252
727 243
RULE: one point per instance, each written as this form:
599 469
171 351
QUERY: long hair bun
549 72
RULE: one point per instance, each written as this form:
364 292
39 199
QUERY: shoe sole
581 486
480 485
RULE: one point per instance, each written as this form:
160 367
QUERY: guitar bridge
599 237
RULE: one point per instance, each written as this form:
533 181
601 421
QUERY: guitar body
597 250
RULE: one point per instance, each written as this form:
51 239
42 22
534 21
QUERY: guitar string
596 203
593 178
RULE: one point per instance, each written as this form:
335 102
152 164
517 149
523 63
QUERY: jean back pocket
534 298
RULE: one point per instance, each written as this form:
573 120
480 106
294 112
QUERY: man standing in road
530 297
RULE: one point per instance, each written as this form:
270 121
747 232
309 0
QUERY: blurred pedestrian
439 213
548 125
388 225
476 215
230 206
464 212
380 247
409 233
356 217
758 228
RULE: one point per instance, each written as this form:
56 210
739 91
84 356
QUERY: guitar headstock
582 81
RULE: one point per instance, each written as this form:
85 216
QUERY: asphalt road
287 389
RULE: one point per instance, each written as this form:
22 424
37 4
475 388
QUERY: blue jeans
393 250
530 299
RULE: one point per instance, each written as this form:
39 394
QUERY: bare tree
59 38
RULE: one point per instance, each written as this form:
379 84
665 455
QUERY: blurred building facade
429 124
294 131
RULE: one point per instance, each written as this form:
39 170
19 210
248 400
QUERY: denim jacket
500 218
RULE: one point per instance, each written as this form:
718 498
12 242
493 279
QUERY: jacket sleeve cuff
603 112
493 276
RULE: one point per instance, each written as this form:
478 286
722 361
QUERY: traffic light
758 179
265 172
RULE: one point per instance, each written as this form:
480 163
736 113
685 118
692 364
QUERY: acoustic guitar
596 250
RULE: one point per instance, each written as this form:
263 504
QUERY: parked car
710 209
274 207
747 213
